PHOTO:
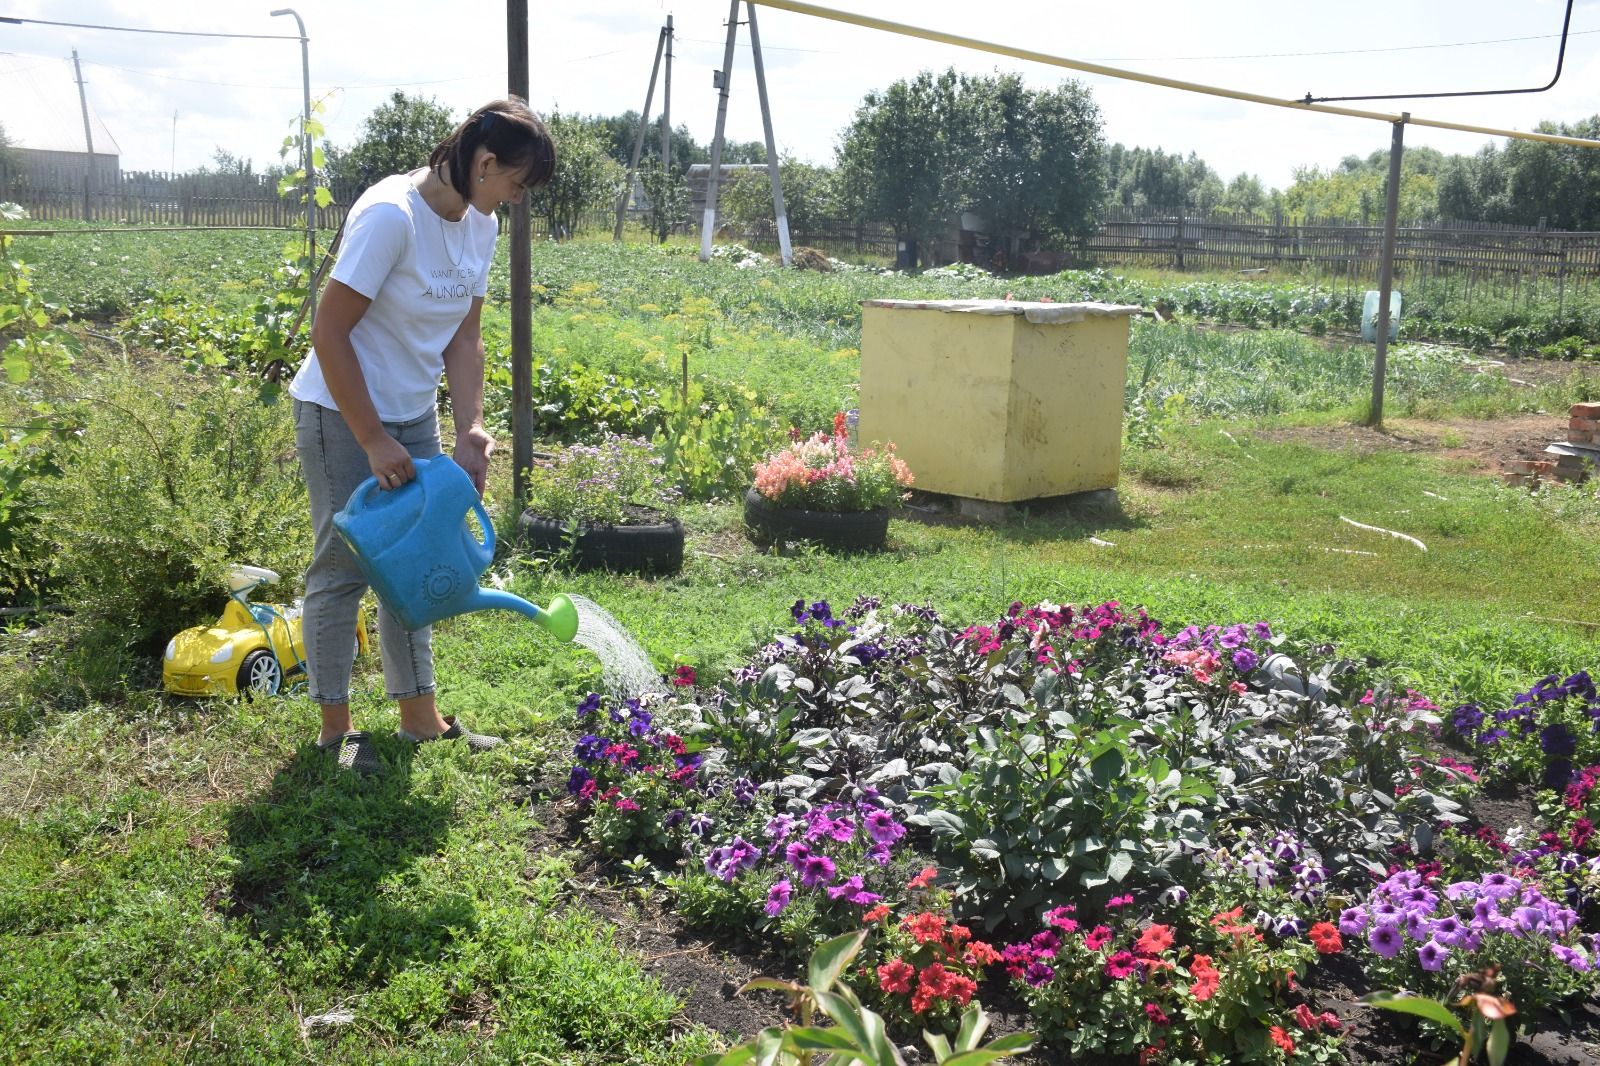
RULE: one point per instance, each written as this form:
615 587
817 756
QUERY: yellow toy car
250 650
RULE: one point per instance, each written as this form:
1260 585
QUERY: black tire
653 549
260 674
844 531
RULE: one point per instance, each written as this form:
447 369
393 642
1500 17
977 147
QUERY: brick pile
1570 460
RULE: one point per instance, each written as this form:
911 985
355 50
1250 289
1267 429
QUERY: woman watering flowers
402 306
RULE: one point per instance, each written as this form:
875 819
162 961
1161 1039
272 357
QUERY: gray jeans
333 464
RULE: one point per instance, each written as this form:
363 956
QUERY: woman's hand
473 448
390 462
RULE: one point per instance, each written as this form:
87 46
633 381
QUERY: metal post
1391 213
88 139
638 141
784 250
713 181
306 148
521 277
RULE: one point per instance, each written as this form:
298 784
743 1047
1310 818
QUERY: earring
480 179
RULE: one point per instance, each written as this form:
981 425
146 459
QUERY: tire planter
649 547
845 531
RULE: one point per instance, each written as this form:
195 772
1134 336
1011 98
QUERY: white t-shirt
421 271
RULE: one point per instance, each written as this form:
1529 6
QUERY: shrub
177 477
824 473
595 484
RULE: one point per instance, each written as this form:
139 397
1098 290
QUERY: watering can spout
559 619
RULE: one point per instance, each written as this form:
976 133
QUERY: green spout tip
560 618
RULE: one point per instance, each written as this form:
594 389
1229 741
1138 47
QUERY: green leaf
1499 1043
1119 867
1422 1007
829 960
771 983
324 196
1107 766
813 1039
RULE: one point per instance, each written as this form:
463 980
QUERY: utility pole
638 142
723 79
306 150
784 250
1397 147
666 104
521 277
88 140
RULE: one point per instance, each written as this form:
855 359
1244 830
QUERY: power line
231 84
141 29
1252 55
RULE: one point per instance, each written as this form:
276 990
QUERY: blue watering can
423 560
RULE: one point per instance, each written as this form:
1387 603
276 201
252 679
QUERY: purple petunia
590 704
589 747
779 827
1385 939
1432 955
1245 660
882 827
852 890
1038 974
1352 920
726 862
816 870
778 898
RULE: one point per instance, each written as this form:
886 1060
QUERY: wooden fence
1191 242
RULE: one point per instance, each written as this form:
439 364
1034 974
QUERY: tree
668 194
745 200
8 152
397 136
898 154
1558 183
1245 197
1033 162
587 179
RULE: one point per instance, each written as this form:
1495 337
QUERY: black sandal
456 731
354 751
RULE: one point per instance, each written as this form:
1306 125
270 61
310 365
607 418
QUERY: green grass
185 881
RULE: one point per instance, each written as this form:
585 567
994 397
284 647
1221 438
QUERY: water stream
625 669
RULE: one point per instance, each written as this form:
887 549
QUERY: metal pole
784 250
1391 214
521 278
305 147
724 77
88 139
638 141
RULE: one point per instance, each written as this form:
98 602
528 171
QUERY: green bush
178 476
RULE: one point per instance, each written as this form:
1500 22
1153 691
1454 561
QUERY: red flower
980 954
683 676
1330 1021
1206 978
1281 1038
1097 938
1152 1054
1154 940
876 914
1121 965
895 976
925 928
839 425
1305 1019
1326 938
1156 1014
923 879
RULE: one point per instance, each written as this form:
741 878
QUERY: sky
172 101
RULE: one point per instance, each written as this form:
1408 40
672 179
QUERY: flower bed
1152 836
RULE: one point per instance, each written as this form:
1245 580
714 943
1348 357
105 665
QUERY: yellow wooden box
997 400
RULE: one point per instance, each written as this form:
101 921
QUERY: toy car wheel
260 674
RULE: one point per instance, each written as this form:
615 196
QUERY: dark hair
511 132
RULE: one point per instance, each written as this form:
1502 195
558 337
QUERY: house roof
39 106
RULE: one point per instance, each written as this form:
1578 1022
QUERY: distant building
699 179
43 121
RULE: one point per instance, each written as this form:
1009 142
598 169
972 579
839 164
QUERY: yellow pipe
817 11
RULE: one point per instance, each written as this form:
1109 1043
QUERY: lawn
190 881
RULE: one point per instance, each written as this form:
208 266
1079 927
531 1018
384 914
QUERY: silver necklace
455 260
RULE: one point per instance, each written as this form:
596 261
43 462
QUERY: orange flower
1206 978
1281 1038
1326 938
1154 940
876 914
